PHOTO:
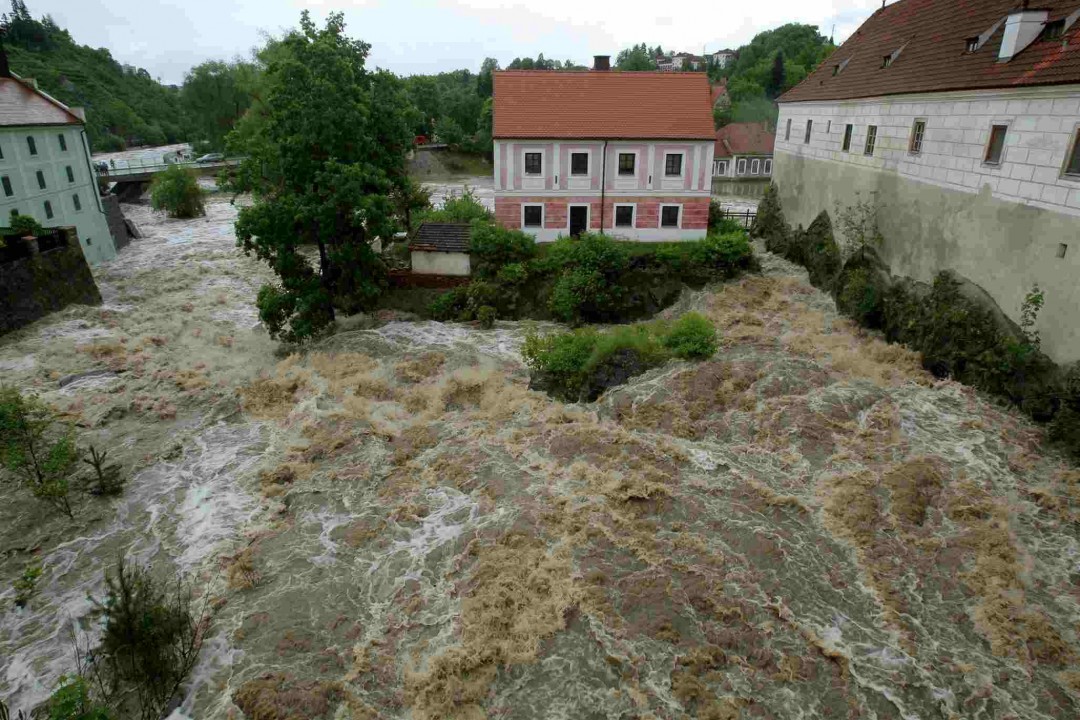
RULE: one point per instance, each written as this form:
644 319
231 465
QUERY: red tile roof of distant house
744 139
927 40
602 104
21 104
719 90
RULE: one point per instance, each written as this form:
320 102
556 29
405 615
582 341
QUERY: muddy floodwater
392 525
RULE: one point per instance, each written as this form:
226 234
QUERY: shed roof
441 237
602 104
744 139
927 41
21 104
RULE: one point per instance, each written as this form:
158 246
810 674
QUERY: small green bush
727 254
692 337
71 701
177 192
450 304
36 449
457 208
26 584
491 247
486 316
513 274
25 226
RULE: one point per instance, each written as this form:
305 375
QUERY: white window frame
766 167
755 167
615 215
682 165
660 217
808 133
914 149
1070 148
721 168
870 146
1004 144
588 216
740 168
543 165
637 163
570 153
543 216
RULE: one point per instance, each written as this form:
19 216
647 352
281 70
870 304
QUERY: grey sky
426 36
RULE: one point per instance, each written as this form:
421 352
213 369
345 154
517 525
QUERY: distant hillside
124 105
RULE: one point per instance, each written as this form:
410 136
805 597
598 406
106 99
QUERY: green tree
484 86
71 701
36 449
637 57
177 192
215 95
328 153
776 79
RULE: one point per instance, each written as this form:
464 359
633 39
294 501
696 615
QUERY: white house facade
45 169
984 181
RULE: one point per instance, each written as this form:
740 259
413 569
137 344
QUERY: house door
579 219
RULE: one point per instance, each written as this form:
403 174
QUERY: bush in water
177 192
36 449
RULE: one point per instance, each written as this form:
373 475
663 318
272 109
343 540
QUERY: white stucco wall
440 263
21 167
1004 227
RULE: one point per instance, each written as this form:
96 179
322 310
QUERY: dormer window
839 68
886 61
972 45
835 70
1054 30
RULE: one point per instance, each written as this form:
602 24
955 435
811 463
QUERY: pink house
628 153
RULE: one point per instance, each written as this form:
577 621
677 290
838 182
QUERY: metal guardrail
746 217
144 168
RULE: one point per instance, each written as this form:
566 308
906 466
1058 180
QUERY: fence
14 248
745 218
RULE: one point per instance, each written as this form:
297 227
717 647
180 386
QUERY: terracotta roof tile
22 105
629 105
933 35
441 237
744 139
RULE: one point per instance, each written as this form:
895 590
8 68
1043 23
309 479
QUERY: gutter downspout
90 168
603 185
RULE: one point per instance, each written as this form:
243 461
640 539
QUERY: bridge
131 178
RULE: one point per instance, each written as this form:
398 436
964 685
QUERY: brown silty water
392 525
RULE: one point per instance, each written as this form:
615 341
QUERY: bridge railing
149 167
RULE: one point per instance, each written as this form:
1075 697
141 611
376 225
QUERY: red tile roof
612 104
719 90
933 35
22 105
744 139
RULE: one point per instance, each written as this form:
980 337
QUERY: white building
45 167
723 58
964 124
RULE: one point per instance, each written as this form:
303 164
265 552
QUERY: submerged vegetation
36 449
177 192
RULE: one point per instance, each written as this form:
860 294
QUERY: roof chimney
1022 27
601 62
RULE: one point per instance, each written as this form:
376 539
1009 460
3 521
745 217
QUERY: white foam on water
504 342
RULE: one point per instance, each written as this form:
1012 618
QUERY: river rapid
392 525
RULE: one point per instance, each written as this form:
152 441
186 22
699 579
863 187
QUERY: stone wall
114 216
33 287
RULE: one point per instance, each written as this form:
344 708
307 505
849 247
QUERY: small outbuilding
441 249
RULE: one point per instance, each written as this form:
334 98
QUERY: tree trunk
325 275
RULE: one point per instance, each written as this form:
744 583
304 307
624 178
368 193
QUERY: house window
721 168
624 216
63 143
669 216
971 44
1054 30
31 144
886 61
741 166
532 216
996 146
847 137
767 167
787 130
533 163
41 179
1072 160
6 181
871 139
917 132
70 174
626 163
579 163
755 166
48 210
828 127
673 164
809 129
78 203
1 152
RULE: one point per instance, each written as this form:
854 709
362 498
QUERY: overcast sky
167 37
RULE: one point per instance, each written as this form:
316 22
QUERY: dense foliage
124 105
325 143
214 97
177 192
36 449
72 701
580 364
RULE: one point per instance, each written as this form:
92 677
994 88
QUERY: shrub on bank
578 366
491 247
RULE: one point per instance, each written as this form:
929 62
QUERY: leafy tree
637 57
776 79
215 95
484 85
36 449
328 153
177 192
25 225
